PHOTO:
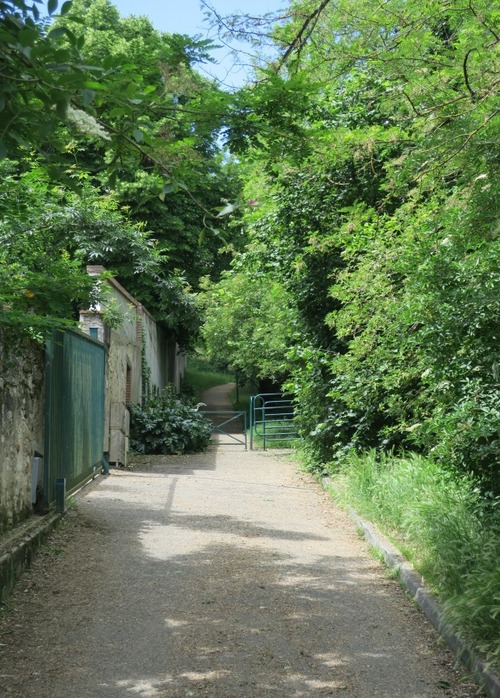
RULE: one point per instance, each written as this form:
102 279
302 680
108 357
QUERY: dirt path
224 574
217 399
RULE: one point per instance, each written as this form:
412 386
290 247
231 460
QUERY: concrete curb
18 552
427 602
19 546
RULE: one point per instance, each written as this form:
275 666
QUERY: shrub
168 424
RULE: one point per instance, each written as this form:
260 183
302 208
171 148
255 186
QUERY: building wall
21 425
156 352
126 342
177 366
123 341
125 353
22 408
166 363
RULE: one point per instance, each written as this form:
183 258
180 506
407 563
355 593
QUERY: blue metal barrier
223 420
272 418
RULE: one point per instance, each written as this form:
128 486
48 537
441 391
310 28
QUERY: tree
384 227
48 236
249 325
176 179
129 130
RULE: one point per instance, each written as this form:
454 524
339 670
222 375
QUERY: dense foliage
375 240
364 234
443 525
379 239
168 424
114 159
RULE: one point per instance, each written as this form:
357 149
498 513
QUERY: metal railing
222 420
272 419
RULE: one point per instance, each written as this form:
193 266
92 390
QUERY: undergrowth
446 526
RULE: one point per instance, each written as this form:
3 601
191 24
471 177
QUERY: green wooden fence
74 411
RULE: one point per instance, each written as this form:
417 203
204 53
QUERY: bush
168 424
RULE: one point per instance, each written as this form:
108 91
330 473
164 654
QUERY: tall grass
444 525
279 434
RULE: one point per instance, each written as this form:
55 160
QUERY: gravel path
223 574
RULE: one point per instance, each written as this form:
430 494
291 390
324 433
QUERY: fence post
252 407
61 495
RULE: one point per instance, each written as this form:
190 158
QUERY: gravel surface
222 574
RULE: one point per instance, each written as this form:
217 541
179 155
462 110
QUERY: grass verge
444 525
276 435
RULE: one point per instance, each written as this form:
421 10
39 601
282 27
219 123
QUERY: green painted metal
272 418
224 420
74 411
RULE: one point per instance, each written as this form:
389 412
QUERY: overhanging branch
303 34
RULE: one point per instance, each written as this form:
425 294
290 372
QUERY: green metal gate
230 424
74 411
272 419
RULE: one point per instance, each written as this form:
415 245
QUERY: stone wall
21 425
166 364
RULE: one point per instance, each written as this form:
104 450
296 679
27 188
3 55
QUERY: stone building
141 359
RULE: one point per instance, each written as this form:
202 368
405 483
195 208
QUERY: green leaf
66 7
27 37
52 6
93 85
92 68
138 135
58 67
57 32
76 19
226 211
73 40
118 111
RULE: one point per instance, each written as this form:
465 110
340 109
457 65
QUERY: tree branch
481 21
466 74
467 140
303 34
